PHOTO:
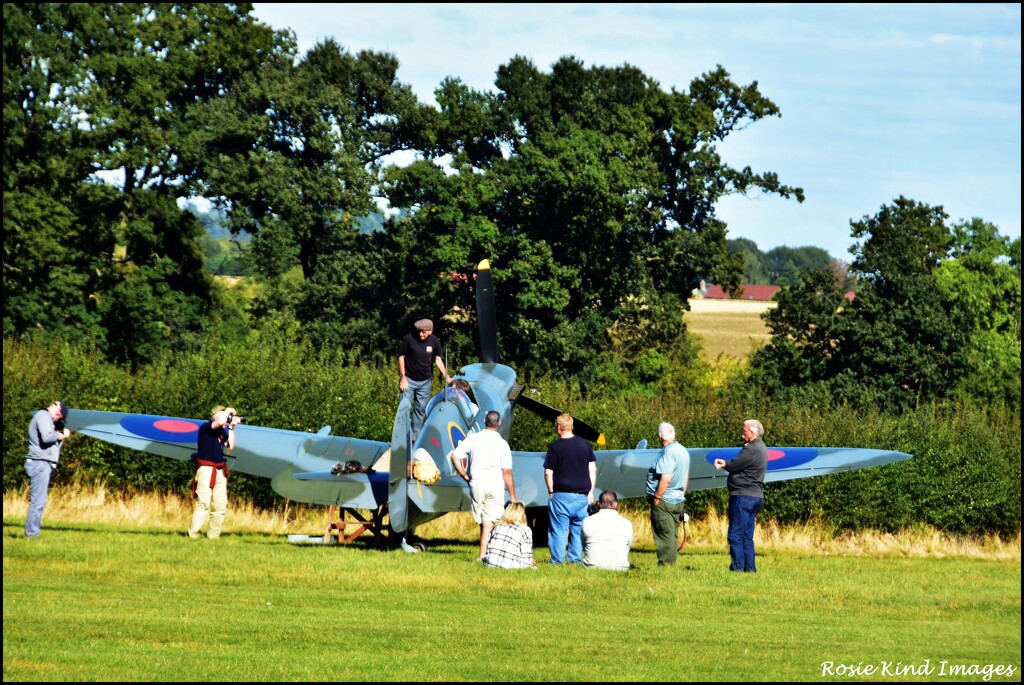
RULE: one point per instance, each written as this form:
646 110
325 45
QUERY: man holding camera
607 536
210 484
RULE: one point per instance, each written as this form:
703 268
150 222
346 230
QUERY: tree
294 154
786 264
936 315
594 190
982 280
754 270
97 100
805 345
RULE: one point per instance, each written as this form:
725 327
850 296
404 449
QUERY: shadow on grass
14 528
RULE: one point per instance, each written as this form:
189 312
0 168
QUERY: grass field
114 591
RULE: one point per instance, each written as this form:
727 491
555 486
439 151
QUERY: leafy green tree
44 162
804 347
295 152
981 279
754 270
937 314
594 192
97 100
786 264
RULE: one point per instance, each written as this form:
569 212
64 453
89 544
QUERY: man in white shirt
607 536
488 471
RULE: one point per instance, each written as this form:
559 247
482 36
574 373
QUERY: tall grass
77 504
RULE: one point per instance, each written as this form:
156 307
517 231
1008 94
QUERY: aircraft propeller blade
544 411
485 313
399 469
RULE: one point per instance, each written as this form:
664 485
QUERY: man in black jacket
746 494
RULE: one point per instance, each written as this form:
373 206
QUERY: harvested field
730 329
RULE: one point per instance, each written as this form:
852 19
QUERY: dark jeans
742 516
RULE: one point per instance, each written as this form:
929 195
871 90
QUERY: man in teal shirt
666 491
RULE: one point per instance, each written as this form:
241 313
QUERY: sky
877 101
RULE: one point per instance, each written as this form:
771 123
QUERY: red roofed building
758 293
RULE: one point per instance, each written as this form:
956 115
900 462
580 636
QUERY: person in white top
488 470
607 536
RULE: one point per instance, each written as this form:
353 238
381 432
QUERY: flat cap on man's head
216 410
63 409
424 325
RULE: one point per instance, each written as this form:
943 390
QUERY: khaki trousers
211 503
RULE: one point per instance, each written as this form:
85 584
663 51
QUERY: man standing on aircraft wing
416 352
746 494
570 471
489 461
666 488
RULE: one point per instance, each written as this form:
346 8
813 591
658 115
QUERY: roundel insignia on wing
163 429
778 458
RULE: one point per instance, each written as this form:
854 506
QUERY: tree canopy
592 190
936 315
97 100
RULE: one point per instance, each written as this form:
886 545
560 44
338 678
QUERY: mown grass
140 601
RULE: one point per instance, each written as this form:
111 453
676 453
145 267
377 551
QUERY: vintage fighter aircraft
320 468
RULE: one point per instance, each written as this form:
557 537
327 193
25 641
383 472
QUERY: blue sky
877 101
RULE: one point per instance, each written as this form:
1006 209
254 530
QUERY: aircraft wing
625 471
298 463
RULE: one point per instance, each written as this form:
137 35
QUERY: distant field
729 329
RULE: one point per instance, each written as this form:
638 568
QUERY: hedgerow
964 476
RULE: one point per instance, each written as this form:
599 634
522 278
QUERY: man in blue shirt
666 490
210 484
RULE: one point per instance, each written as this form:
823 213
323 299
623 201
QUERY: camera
232 416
